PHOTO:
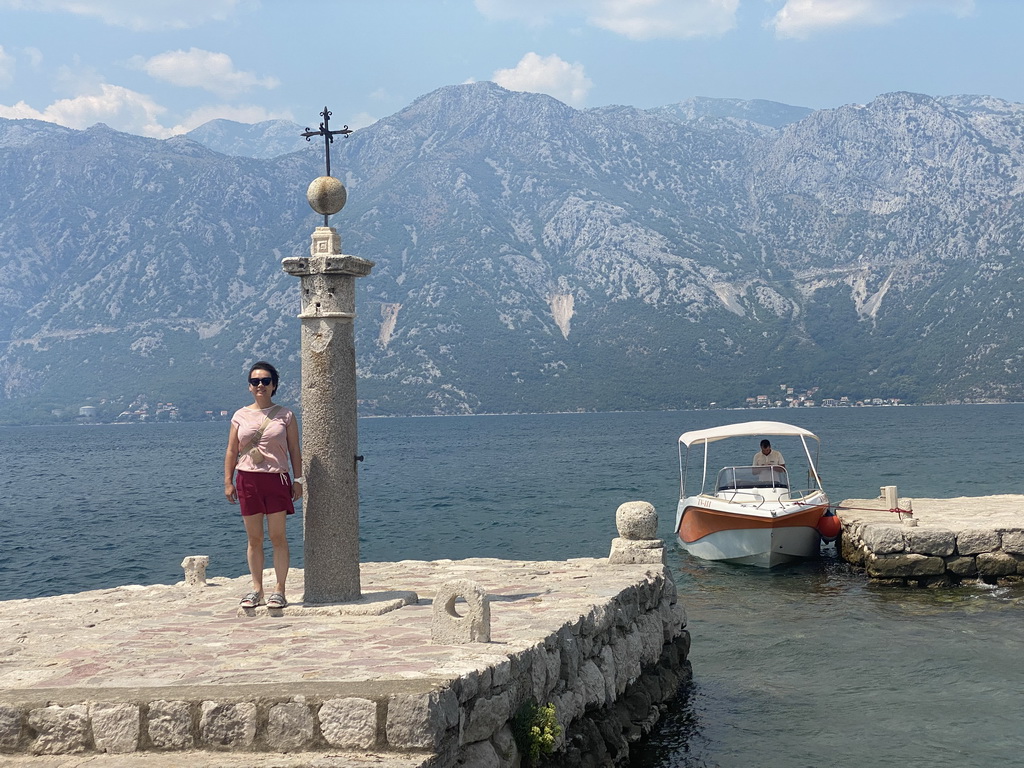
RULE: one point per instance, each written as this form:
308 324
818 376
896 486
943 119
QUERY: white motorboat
751 514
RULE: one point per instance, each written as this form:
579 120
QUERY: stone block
637 520
976 540
996 564
553 662
115 727
486 717
539 673
505 747
852 549
1013 542
169 725
883 539
600 619
961 565
290 727
468 686
568 706
627 605
673 618
480 755
448 627
904 566
606 663
501 674
626 655
930 541
652 637
349 723
195 570
227 725
419 721
570 655
59 730
595 691
630 552
10 727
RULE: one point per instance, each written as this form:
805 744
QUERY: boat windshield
736 478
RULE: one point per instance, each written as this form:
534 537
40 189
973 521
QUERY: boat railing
743 478
799 495
740 497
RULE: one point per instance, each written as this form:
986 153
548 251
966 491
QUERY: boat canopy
745 429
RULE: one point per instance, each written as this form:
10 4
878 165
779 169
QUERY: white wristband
297 480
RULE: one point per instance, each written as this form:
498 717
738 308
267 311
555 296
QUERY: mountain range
529 256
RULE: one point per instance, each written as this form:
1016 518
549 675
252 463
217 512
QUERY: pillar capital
332 264
325 258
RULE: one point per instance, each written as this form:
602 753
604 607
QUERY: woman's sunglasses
266 381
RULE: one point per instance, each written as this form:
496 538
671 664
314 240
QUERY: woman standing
262 439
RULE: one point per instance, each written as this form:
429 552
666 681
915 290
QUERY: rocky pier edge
934 542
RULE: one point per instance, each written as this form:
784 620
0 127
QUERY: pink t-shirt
273 442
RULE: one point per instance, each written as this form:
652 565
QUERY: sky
163 67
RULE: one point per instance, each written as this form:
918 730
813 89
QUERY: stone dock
940 542
156 676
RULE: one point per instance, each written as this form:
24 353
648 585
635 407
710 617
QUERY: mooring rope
895 510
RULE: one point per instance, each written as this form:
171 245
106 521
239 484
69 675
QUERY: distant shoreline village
165 413
791 398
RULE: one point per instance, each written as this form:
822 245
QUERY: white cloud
547 74
801 18
133 14
118 107
35 56
635 19
361 120
131 112
196 68
673 19
6 68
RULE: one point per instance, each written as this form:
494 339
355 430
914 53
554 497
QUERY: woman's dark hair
263 365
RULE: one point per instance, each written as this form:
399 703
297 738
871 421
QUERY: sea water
806 666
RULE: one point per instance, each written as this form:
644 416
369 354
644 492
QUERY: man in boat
769 457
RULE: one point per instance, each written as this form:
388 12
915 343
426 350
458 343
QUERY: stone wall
930 556
609 672
609 675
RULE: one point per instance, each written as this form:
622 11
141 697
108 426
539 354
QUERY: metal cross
328 137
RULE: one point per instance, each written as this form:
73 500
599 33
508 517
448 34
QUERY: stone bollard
447 627
637 522
889 495
907 513
195 570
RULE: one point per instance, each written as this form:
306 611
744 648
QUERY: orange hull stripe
698 522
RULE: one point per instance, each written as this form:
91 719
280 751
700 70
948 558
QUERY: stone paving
135 643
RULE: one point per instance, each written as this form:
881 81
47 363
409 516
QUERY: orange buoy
829 526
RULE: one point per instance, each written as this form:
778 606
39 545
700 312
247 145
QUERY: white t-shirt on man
772 459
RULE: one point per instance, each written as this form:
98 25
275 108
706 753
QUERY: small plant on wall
535 729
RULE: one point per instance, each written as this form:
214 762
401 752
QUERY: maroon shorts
264 493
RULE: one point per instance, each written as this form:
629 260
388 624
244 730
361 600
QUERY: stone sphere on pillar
637 520
326 195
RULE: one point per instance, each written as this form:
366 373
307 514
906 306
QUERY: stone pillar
329 445
637 522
